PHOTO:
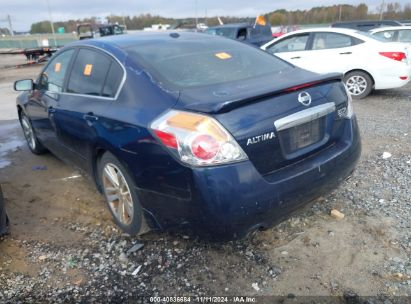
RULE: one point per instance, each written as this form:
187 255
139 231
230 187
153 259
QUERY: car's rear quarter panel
163 183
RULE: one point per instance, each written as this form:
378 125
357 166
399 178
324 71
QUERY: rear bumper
227 202
389 78
237 199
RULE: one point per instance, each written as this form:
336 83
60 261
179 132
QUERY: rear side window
331 41
369 35
52 78
291 44
94 74
113 80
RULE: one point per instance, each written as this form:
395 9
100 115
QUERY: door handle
51 110
90 117
346 53
298 57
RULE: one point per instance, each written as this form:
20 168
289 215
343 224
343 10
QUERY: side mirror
24 85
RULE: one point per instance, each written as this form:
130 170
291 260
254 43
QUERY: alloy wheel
356 85
28 132
118 194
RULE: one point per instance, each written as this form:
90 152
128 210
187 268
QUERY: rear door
92 86
332 52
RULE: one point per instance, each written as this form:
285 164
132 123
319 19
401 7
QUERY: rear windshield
193 62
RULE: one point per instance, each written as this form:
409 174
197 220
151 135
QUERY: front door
292 48
45 98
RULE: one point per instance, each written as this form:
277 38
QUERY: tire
34 144
359 84
120 193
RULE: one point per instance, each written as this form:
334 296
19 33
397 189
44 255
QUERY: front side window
52 78
90 73
404 35
290 44
386 35
331 41
369 35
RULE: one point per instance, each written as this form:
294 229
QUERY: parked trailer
33 55
84 31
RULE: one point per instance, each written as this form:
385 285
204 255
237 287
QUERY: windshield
201 62
229 32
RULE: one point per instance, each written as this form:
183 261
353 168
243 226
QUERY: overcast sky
24 13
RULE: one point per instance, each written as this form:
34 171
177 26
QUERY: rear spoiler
286 87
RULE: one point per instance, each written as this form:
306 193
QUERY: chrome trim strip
120 87
304 116
89 96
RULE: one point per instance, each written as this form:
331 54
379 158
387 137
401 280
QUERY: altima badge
257 139
304 98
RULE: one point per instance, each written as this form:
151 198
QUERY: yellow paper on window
87 69
223 55
57 67
260 20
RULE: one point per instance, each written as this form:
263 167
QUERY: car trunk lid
227 96
278 124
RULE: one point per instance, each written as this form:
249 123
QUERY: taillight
399 56
205 147
169 140
196 139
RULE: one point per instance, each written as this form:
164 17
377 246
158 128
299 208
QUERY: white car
366 62
393 33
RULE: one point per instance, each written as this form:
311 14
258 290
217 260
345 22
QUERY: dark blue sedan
188 128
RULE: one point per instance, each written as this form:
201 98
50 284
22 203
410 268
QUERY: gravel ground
64 247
